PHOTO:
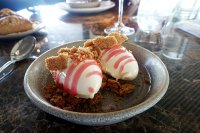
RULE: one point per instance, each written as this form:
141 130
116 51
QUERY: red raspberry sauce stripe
116 65
110 49
94 73
91 90
57 78
114 53
128 61
105 51
68 76
77 76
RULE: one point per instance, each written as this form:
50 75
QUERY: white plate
36 27
105 5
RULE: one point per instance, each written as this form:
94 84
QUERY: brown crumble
61 99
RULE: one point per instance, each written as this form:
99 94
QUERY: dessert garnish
81 73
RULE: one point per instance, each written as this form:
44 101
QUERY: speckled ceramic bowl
143 98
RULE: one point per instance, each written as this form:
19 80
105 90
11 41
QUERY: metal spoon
20 51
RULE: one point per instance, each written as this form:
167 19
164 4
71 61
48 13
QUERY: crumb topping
120 37
56 62
109 41
77 54
91 50
74 54
105 42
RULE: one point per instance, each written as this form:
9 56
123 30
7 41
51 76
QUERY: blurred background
20 4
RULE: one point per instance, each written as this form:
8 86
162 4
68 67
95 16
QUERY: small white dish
36 27
83 3
104 5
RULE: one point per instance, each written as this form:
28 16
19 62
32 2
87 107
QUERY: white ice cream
83 80
119 63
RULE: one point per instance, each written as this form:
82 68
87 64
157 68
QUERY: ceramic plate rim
66 7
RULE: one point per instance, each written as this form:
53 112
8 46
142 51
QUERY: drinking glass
151 17
119 26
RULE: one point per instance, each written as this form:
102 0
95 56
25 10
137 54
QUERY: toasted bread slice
14 24
7 12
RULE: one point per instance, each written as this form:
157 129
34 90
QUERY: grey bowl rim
143 106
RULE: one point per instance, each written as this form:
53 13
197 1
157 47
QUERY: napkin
192 28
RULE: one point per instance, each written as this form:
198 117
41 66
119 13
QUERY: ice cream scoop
119 63
83 80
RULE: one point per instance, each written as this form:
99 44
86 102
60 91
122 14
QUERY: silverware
20 51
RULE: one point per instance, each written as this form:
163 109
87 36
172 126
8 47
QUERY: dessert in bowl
105 98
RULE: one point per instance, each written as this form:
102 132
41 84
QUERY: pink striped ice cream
119 63
83 80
